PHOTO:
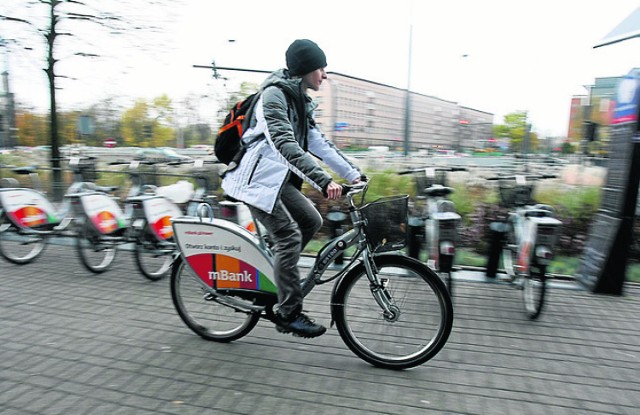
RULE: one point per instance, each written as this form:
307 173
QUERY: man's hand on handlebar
334 191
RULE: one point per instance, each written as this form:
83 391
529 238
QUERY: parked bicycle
28 218
390 310
99 222
441 221
531 233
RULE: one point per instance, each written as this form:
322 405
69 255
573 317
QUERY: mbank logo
224 275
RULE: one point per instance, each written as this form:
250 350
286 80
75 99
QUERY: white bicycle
531 235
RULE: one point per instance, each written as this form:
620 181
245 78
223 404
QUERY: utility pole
407 113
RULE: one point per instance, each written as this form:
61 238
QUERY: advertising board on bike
159 212
28 208
103 212
223 258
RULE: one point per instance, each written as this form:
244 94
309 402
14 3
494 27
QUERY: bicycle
531 233
441 221
28 218
391 310
100 223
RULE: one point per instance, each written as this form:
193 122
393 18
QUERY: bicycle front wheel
534 288
95 254
20 247
205 316
152 258
419 322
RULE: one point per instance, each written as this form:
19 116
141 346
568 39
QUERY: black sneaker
301 326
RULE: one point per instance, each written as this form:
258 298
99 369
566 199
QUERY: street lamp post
407 110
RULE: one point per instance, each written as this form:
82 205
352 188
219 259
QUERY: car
161 154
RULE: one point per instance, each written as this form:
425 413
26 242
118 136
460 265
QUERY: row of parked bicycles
93 216
524 238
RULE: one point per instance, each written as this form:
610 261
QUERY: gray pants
292 224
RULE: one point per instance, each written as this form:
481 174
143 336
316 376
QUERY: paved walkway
75 343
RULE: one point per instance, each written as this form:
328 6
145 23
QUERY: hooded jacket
280 141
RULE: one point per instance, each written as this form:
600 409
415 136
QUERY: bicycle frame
240 261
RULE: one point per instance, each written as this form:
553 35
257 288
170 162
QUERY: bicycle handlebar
423 169
526 176
352 189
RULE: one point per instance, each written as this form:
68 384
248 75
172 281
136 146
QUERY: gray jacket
281 139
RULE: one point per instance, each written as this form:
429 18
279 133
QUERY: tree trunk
56 172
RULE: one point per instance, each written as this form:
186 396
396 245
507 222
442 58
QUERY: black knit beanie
304 56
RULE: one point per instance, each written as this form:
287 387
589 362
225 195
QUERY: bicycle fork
378 286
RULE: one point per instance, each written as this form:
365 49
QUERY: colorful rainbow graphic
31 216
222 271
105 222
162 227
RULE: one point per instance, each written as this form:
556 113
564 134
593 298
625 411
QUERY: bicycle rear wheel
202 313
20 247
152 257
534 288
421 315
95 254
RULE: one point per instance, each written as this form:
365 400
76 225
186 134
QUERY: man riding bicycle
281 138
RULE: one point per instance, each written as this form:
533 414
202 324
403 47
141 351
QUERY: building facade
358 114
596 106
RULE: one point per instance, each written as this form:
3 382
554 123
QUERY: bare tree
63 20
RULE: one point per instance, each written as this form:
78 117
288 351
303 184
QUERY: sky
498 56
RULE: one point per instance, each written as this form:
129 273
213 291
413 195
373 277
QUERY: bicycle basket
386 223
513 196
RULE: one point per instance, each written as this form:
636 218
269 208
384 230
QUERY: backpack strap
246 123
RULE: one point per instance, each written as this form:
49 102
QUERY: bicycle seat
542 206
24 170
107 189
537 213
438 191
